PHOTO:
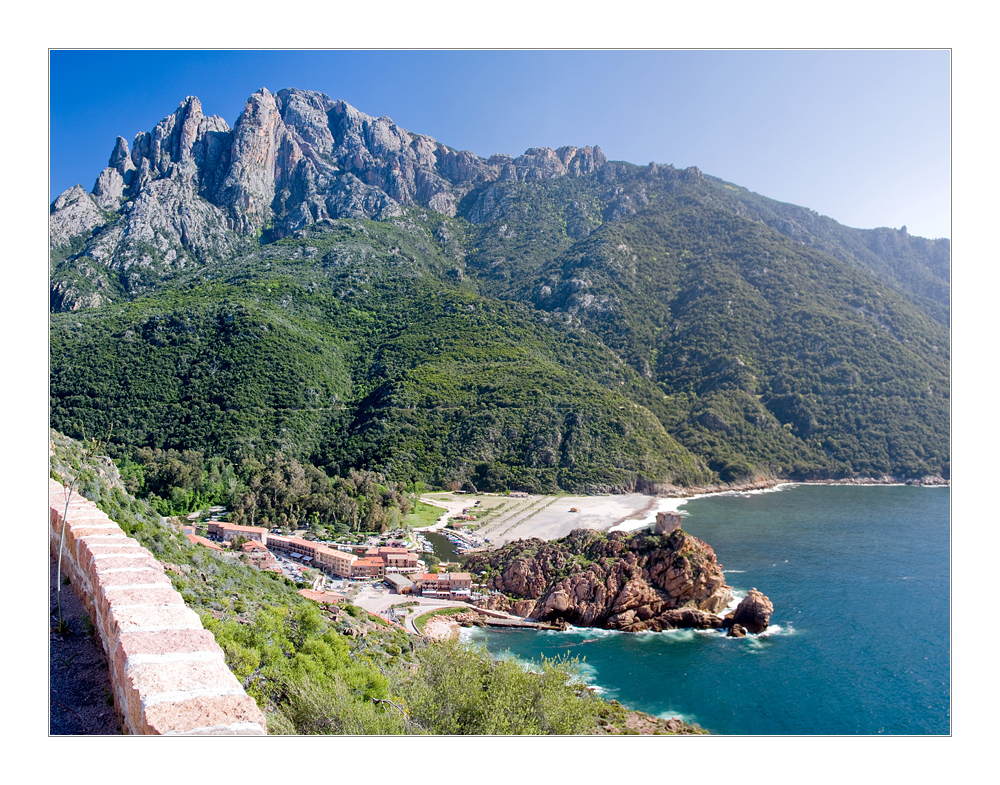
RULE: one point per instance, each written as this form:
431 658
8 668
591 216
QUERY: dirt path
79 682
449 507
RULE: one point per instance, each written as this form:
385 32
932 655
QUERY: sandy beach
553 517
550 517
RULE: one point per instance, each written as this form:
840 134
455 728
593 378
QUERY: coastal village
392 576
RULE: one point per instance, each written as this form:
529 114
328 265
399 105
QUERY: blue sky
862 136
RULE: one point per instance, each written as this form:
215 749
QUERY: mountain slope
920 269
334 349
551 321
771 348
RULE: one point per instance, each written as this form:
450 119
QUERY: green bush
459 689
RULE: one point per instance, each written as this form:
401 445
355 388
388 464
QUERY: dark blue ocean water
859 641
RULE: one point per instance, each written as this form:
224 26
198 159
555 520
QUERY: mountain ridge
555 320
298 157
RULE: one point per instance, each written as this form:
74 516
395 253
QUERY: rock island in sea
659 580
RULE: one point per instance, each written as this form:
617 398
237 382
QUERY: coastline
807 579
673 491
632 511
679 496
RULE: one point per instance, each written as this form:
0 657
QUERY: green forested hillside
919 268
361 365
631 327
766 350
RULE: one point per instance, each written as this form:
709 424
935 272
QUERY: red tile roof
202 541
322 597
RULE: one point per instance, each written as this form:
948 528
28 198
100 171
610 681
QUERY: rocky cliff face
614 581
193 188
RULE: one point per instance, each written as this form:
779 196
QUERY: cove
859 642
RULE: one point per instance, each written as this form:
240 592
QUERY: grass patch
423 515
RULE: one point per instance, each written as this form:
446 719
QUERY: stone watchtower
666 522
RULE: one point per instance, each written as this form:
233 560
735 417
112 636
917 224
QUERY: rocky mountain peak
176 138
307 112
193 186
121 159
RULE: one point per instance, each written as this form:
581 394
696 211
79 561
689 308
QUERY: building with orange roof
443 584
395 559
322 597
316 554
202 541
368 568
260 557
228 531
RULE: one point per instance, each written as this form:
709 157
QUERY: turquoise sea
860 639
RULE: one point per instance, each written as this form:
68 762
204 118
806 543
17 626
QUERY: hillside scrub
677 345
319 670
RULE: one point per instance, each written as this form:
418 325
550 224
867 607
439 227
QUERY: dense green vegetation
412 376
624 330
919 268
314 670
273 491
770 357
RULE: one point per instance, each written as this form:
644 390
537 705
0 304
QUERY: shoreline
562 514
679 496
674 491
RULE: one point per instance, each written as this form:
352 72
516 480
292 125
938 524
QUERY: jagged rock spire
192 186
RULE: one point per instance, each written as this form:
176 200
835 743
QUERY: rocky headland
617 581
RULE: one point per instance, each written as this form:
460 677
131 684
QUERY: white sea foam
733 603
781 486
465 634
670 635
761 641
669 715
583 632
726 572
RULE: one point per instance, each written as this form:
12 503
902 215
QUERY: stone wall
168 674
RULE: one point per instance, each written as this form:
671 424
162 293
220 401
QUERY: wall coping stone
168 675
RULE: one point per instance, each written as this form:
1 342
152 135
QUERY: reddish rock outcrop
753 613
614 581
